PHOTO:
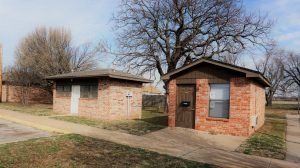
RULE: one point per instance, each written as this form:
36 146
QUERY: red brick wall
88 108
61 105
119 102
257 107
172 103
246 99
11 93
202 103
103 98
111 103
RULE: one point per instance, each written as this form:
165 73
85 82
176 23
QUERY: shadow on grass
160 120
150 122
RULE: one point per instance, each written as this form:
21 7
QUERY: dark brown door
185 114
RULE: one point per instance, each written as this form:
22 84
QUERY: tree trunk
269 98
269 102
166 87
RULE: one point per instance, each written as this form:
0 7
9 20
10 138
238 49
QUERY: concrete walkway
12 132
293 138
192 151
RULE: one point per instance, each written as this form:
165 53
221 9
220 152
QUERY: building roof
248 72
111 73
151 89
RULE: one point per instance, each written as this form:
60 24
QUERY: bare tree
84 57
162 35
232 58
272 67
286 89
49 51
292 68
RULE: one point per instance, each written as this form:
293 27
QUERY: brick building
99 94
216 97
12 94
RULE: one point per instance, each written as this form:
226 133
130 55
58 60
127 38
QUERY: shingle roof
100 73
249 72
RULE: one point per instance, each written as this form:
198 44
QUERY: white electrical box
254 121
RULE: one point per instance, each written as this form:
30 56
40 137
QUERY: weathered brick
111 103
12 93
246 99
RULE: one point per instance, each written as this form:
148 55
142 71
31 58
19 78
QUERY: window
63 90
219 101
89 91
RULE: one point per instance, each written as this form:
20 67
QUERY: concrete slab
293 138
197 138
12 132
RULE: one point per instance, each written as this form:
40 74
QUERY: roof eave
249 73
128 78
91 76
261 78
165 77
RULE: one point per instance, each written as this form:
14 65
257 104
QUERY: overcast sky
89 20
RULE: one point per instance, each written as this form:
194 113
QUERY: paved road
12 132
168 144
293 138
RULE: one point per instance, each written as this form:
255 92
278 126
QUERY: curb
35 125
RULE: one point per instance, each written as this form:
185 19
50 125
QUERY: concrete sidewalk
293 138
173 147
12 132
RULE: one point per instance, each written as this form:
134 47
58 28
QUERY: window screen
89 91
63 90
219 101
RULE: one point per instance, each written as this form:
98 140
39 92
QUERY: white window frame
213 97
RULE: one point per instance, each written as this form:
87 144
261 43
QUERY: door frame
74 96
194 108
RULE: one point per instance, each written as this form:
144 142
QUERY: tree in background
45 52
232 58
272 67
292 68
162 35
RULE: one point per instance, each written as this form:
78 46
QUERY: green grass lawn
79 151
286 105
151 121
35 109
268 141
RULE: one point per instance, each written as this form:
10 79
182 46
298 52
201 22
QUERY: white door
75 95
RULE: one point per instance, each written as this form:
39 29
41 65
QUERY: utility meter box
254 121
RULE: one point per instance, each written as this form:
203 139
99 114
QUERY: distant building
99 94
150 90
13 93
